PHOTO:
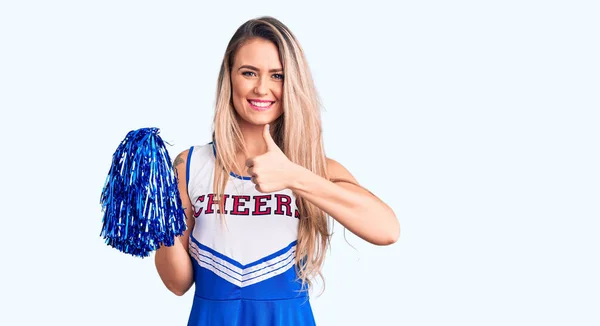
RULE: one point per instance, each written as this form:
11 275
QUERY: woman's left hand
271 171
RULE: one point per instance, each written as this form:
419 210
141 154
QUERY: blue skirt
288 312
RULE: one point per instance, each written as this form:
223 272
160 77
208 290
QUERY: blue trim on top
273 255
291 254
187 167
242 177
214 149
268 272
280 287
238 264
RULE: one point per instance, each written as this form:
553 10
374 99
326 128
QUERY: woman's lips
260 105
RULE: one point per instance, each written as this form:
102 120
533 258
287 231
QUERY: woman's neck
254 140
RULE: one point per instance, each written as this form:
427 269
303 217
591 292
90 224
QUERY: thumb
268 139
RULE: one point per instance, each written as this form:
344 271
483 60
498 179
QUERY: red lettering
209 205
237 204
283 201
259 202
197 213
296 213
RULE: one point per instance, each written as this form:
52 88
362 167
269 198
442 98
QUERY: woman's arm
356 208
173 263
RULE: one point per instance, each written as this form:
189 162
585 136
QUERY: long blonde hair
297 132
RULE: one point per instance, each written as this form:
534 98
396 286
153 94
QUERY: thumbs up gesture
271 171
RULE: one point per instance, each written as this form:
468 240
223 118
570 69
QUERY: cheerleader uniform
244 266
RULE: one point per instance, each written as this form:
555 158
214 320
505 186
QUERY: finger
271 145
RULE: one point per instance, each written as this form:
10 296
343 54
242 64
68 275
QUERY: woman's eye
278 76
248 73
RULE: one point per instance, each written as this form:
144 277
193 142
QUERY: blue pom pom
140 199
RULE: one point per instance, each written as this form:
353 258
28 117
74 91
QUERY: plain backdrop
476 121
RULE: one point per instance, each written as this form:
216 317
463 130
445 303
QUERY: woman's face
257 82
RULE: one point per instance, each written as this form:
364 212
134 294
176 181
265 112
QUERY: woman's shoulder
194 151
335 168
337 172
207 147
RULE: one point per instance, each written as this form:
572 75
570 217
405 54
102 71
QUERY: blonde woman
257 197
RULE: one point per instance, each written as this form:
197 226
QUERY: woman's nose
260 88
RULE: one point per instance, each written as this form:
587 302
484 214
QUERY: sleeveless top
244 264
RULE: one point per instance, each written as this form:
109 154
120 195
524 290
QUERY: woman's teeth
261 104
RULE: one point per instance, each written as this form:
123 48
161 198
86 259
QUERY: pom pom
140 199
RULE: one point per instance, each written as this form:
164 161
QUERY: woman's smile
260 105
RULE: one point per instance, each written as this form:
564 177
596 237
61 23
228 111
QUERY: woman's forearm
352 206
175 267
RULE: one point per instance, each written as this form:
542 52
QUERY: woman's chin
260 119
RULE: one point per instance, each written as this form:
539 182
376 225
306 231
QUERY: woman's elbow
386 239
392 237
391 233
178 292
178 289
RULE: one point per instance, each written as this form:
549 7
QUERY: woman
257 197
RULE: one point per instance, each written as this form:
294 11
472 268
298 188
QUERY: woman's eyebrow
256 69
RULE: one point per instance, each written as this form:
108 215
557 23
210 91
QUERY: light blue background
477 121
